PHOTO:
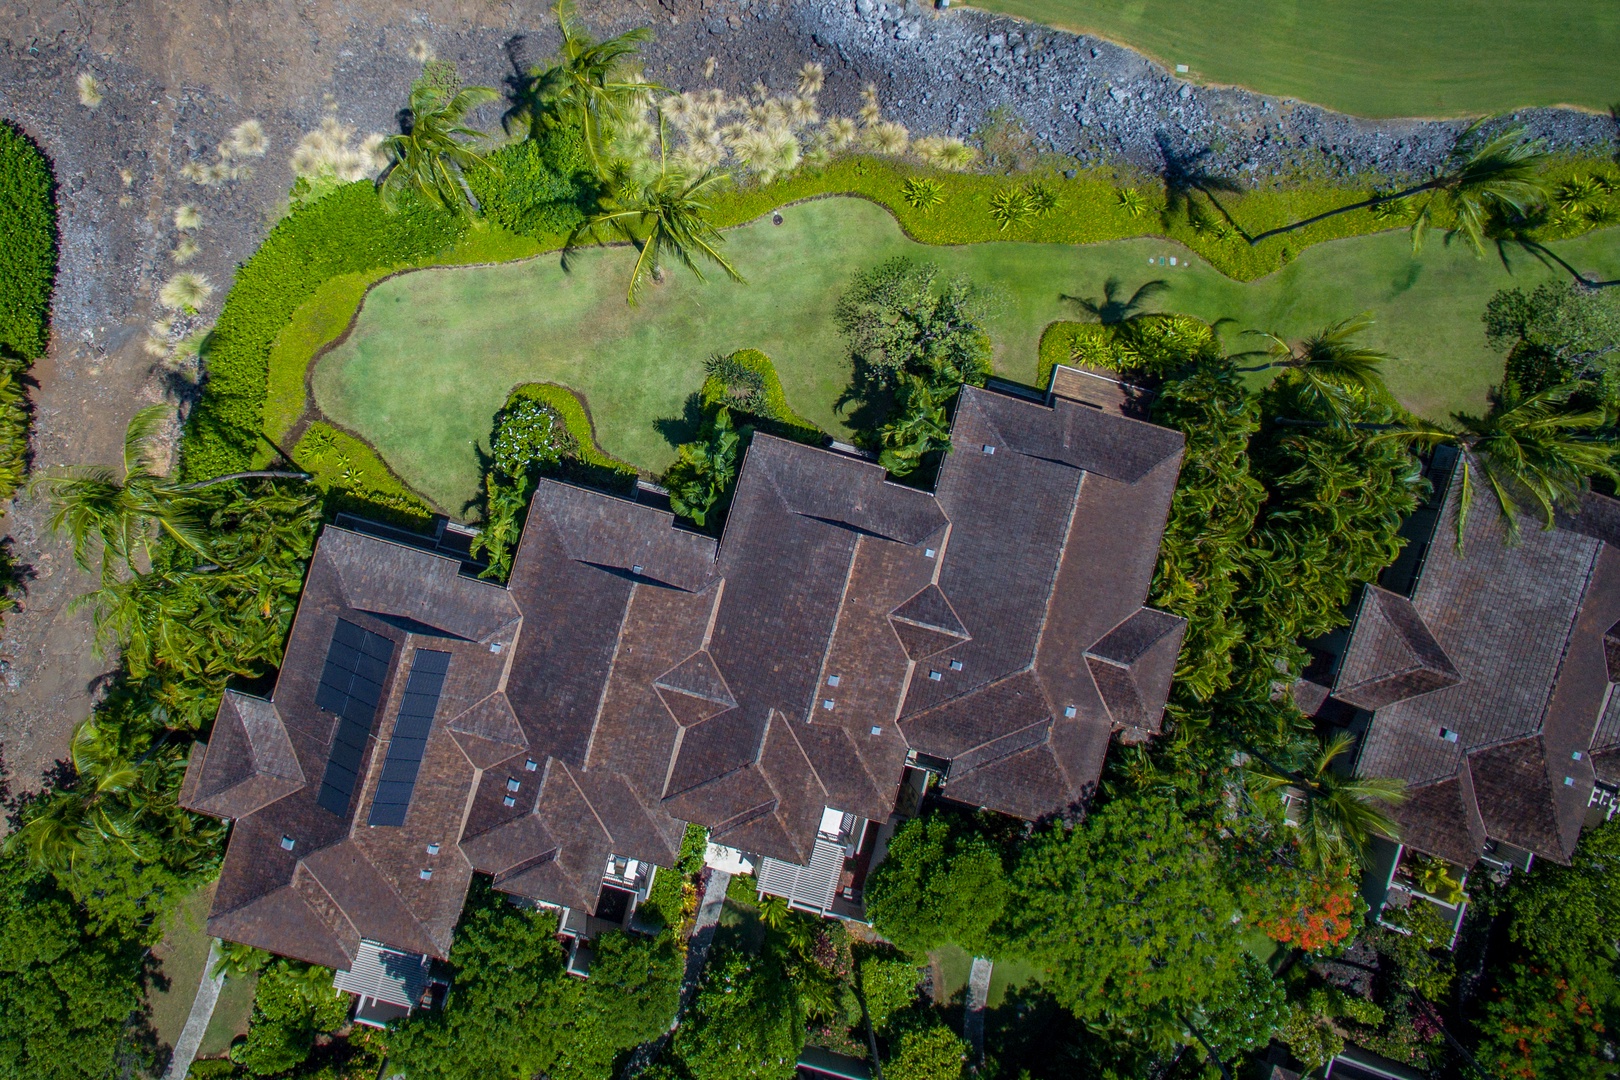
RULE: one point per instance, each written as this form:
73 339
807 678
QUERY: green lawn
435 352
1370 57
182 955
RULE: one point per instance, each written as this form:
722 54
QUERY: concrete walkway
697 952
978 993
202 1010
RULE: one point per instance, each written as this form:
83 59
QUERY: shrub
746 382
351 470
28 256
539 187
293 1003
926 1051
890 986
529 435
586 462
344 233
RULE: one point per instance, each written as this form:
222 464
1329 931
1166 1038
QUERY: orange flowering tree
1315 912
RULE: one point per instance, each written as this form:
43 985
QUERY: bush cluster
746 382
541 187
27 273
346 232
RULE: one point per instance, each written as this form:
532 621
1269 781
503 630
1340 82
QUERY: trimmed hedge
28 253
777 415
589 461
354 477
346 232
27 274
319 320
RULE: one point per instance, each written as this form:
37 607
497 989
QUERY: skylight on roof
935 676
988 449
509 801
1069 711
832 680
531 765
287 843
826 703
1448 735
956 665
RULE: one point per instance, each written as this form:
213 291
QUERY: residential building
558 733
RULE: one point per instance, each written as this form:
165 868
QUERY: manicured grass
954 965
1369 57
436 352
232 1012
182 955
1007 976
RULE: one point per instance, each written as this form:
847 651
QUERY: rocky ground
176 78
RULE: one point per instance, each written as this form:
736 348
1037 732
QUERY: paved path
697 952
202 1010
978 993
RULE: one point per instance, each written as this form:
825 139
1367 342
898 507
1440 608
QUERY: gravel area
175 79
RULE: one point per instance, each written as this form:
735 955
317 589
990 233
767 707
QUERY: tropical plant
1329 363
665 217
898 316
922 194
1013 206
1531 449
1113 308
435 148
1132 202
1481 174
72 822
591 85
701 479
942 882
1558 333
1338 815
919 426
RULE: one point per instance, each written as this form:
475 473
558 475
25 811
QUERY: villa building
1484 676
558 733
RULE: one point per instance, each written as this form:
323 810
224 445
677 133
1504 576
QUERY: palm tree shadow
1184 176
687 427
867 401
1113 308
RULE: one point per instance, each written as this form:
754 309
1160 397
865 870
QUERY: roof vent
531 765
832 680
1569 781
1576 755
1069 711
433 849
826 703
512 784
1448 735
988 450
877 730
426 875
287 843
928 553
496 646
956 665
935 676
635 569
509 801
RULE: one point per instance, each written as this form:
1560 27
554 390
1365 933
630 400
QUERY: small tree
941 883
926 1050
745 1024
435 147
701 480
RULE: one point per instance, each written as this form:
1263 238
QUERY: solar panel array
351 685
410 737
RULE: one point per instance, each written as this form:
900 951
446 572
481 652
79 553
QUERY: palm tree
1479 174
1340 814
701 478
1530 449
920 427
93 503
1328 363
665 217
433 151
71 822
591 83
1113 309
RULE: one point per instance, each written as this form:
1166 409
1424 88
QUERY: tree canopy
941 881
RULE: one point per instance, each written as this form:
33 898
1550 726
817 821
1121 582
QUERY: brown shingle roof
636 675
1503 647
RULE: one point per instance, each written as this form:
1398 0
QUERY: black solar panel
351 685
410 737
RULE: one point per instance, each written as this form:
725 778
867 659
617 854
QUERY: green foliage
744 1023
435 150
1556 334
1570 911
1241 1013
746 382
1211 516
585 462
922 193
13 425
346 232
1314 1028
515 1011
890 985
701 480
320 319
28 257
918 427
941 882
351 470
926 1050
1549 1024
66 993
529 435
541 187
899 317
1130 912
292 1004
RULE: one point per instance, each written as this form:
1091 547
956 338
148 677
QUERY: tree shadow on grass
688 427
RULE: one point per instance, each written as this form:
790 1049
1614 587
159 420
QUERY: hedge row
346 232
28 253
780 417
352 474
27 274
590 462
